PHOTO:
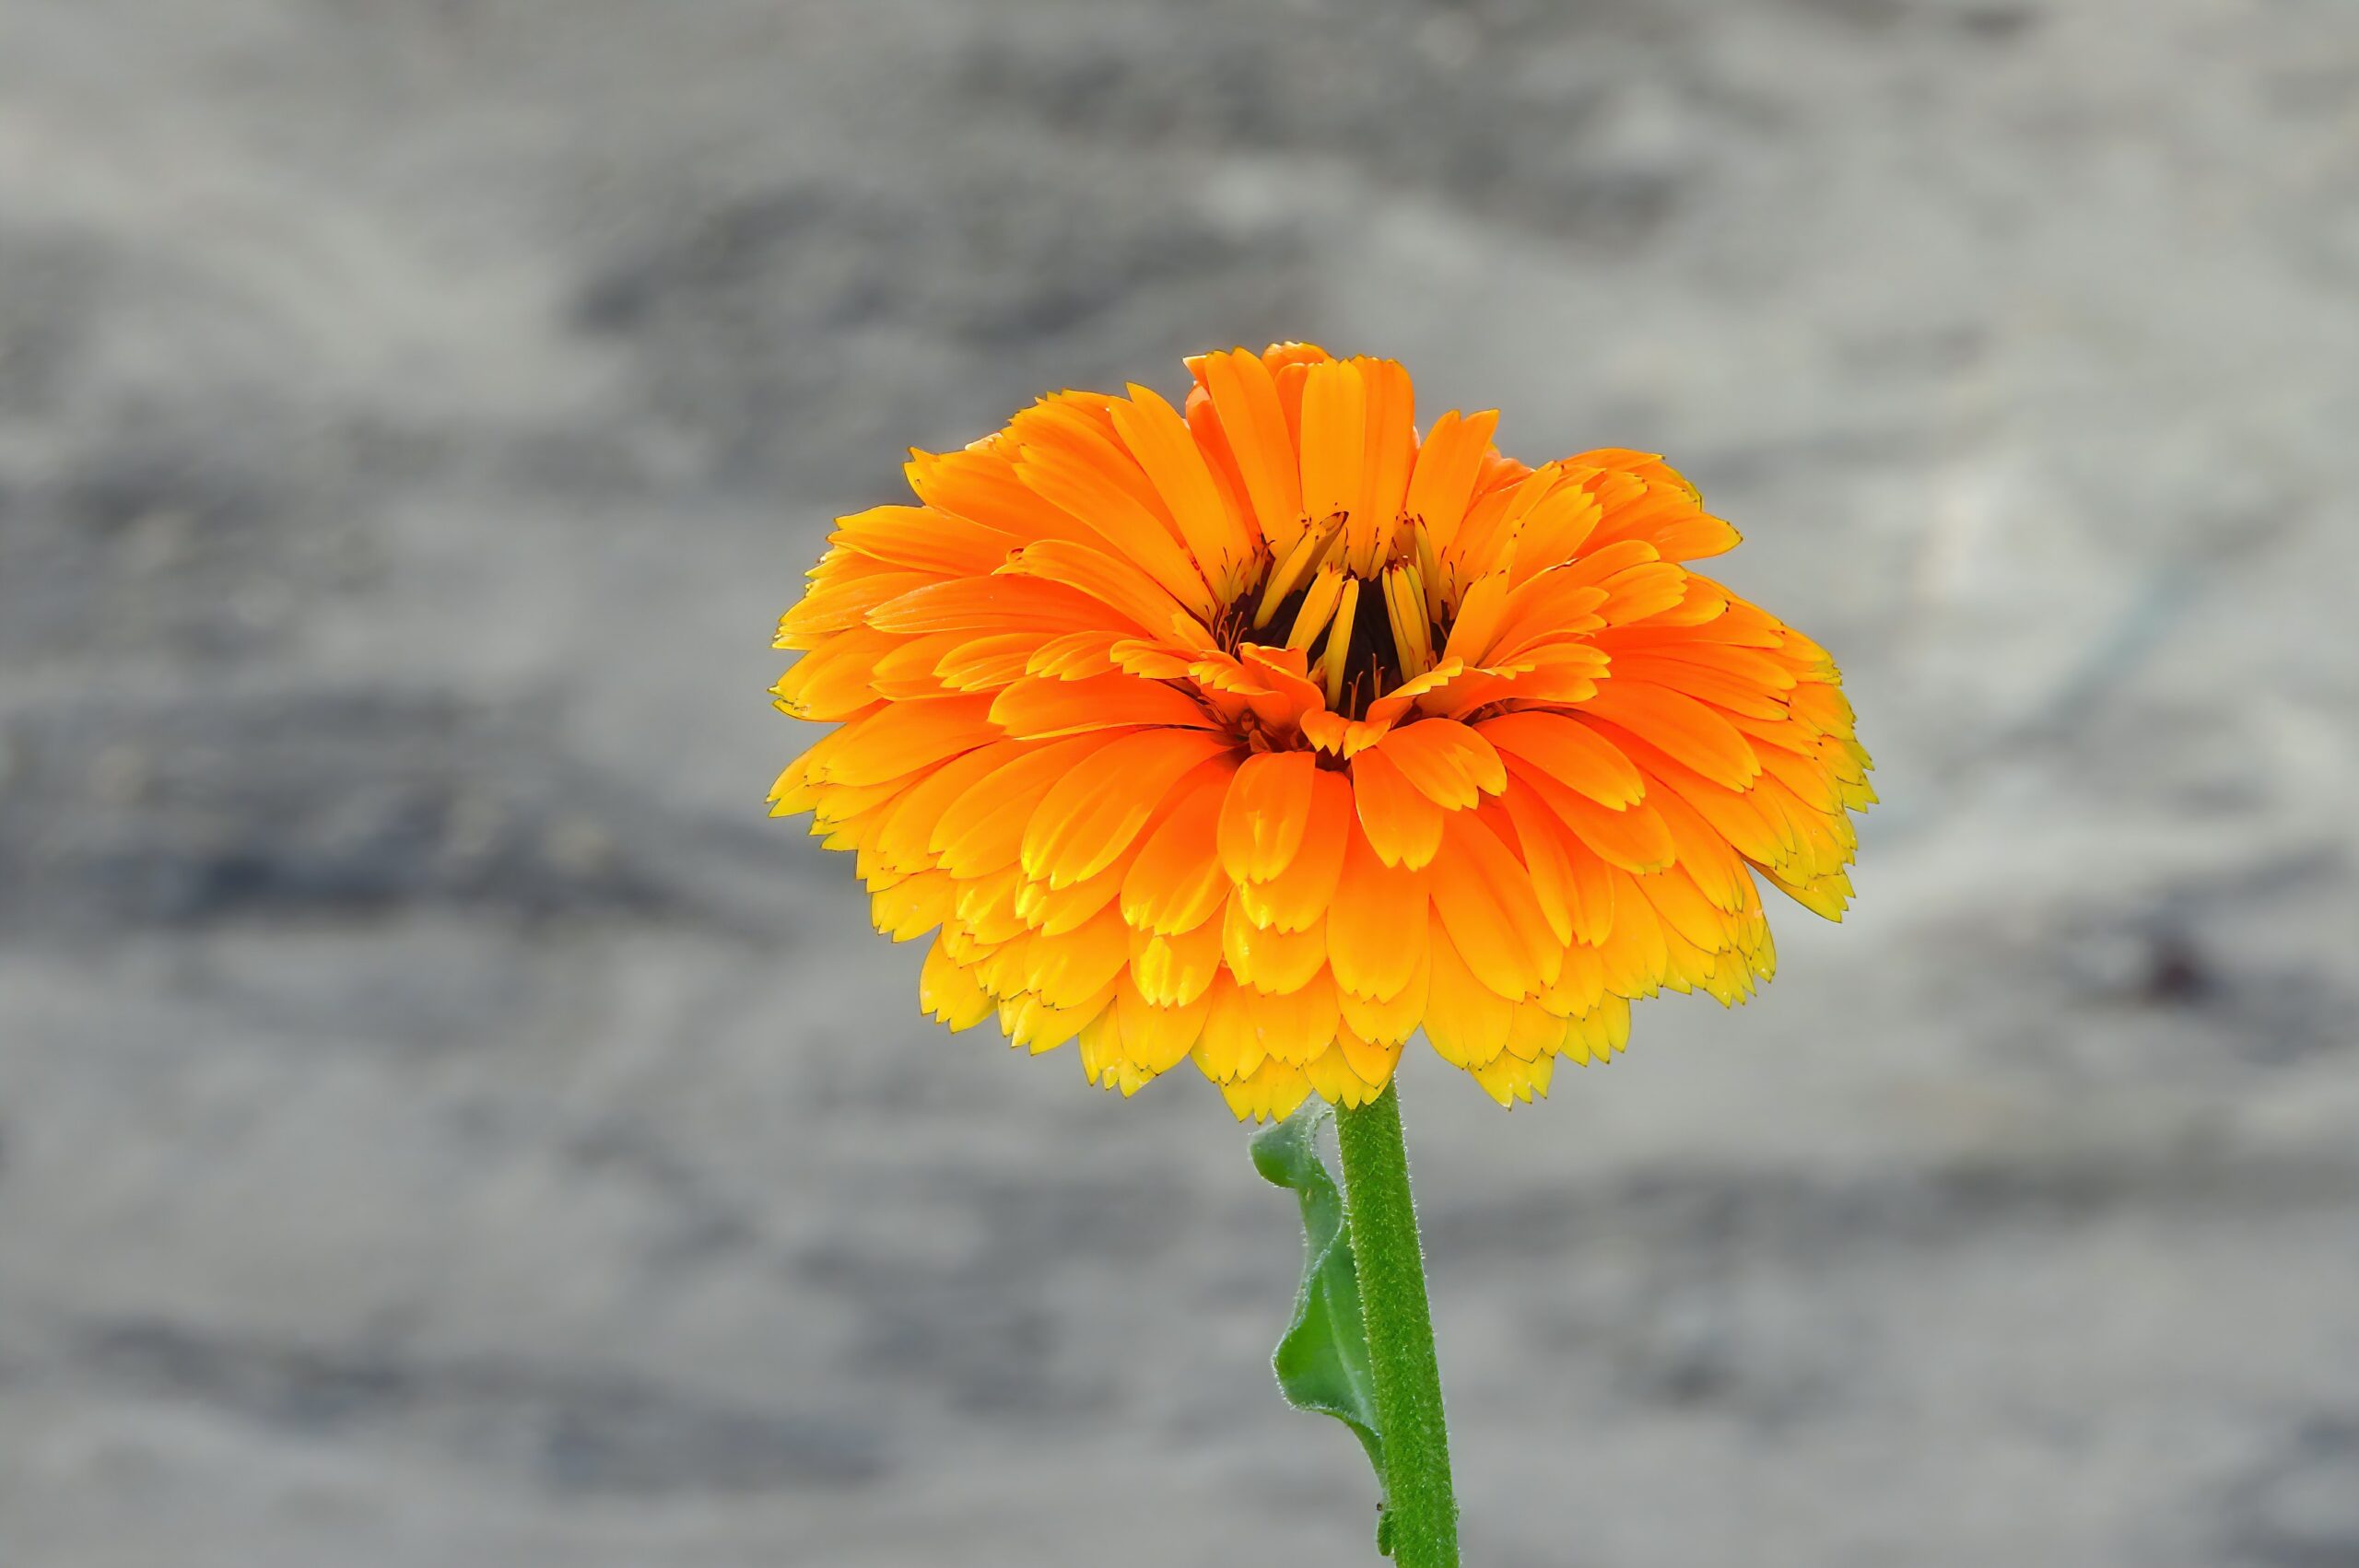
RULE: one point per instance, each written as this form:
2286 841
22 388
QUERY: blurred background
443 1123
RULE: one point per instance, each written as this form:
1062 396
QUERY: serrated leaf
1322 1361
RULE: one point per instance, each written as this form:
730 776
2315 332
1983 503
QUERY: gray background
442 1122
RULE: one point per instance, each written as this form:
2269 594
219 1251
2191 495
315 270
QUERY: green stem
1423 1509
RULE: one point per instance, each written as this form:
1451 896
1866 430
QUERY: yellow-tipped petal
1512 765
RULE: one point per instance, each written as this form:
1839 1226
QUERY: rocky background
443 1123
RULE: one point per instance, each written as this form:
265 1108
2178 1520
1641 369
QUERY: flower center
1366 622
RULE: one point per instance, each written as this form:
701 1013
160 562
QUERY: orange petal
1480 613
1055 910
1278 356
1203 424
978 664
1553 607
1684 909
1161 441
1823 707
1681 726
979 483
983 830
1401 823
1245 395
1391 451
1129 594
1466 1020
1301 893
1640 592
1177 883
846 601
1068 970
1089 817
902 738
1704 854
836 680
1267 812
1037 708
995 603
1738 679
1075 656
1754 832
1153 661
1453 764
1541 839
1487 540
1634 837
1635 956
1535 1033
1395 1017
1295 1026
1268 959
1443 479
1485 899
1334 435
1552 531
1157 1036
912 905
1229 1049
1569 751
1372 1061
1172 970
986 906
922 539
1394 705
1692 538
1376 926
1581 988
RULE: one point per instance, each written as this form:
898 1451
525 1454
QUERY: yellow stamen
1300 562
1404 605
1317 607
1339 642
1429 574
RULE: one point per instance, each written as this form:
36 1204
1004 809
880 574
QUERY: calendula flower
1268 731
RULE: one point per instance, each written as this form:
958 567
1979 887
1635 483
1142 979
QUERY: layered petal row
1263 734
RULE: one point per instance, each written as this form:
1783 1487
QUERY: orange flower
1268 732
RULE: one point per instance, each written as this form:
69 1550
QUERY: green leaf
1322 1362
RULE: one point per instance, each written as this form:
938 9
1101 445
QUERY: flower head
1266 731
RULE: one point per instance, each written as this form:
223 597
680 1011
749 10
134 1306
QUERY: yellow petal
1267 958
1295 1026
949 993
1173 970
1466 1020
1396 1017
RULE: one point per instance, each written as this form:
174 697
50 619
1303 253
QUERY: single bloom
1265 731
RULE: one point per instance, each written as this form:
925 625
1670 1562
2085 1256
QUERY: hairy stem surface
1391 1265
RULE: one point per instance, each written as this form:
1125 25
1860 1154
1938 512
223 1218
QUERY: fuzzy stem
1423 1509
